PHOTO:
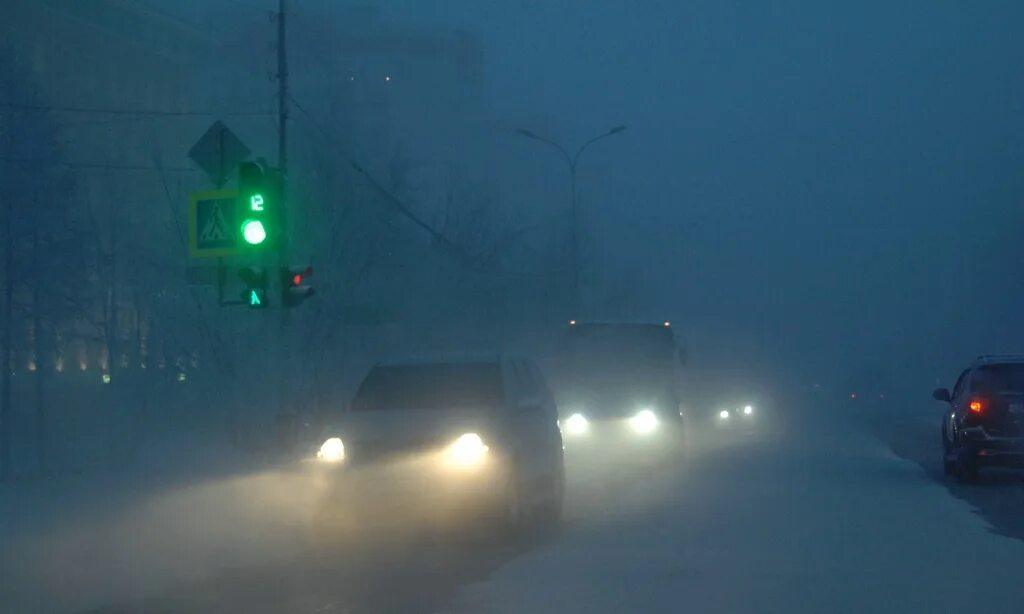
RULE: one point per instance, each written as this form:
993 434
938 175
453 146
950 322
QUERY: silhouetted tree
42 272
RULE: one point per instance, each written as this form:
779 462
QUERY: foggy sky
798 178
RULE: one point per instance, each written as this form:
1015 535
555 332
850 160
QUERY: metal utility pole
285 420
282 133
574 243
282 87
6 414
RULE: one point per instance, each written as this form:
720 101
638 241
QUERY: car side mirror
942 394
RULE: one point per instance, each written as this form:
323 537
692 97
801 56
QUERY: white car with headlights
735 416
465 435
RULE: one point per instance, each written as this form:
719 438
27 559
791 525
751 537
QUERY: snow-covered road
813 517
827 520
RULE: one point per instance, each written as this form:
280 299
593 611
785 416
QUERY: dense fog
822 199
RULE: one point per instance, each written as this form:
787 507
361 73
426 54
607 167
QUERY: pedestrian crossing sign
213 224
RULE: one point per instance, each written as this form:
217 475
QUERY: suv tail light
976 406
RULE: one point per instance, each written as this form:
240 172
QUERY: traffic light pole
284 417
282 136
282 131
222 280
282 87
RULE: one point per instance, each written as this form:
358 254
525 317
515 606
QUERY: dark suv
449 435
984 426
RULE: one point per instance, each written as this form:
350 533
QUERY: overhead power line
96 165
455 249
395 202
127 111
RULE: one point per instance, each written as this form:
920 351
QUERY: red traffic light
295 285
298 276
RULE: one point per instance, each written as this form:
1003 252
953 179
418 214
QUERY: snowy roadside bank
74 542
845 526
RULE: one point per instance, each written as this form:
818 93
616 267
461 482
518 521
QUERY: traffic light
259 205
255 293
295 286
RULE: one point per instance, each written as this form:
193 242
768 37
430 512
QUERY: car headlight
468 450
577 424
332 450
748 410
644 421
724 414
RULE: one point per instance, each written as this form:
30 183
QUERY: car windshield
1001 378
431 387
611 353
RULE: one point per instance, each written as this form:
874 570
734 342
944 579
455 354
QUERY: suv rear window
998 378
431 387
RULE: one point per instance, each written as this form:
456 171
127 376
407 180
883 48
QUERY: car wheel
948 461
550 512
513 509
966 470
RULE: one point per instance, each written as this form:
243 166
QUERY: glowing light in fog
724 414
332 450
467 450
576 424
645 421
748 410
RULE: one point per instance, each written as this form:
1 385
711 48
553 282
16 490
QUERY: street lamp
572 160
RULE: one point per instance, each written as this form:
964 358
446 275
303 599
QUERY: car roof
993 359
585 323
446 358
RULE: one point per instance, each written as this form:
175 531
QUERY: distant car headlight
468 450
644 422
748 410
724 414
332 451
577 424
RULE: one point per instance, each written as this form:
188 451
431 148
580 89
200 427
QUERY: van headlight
577 424
644 422
332 451
748 410
468 450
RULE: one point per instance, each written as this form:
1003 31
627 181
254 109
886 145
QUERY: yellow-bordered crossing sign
213 224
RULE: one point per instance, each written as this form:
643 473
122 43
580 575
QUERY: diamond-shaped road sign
213 224
218 151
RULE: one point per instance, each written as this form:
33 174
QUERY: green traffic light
253 232
254 298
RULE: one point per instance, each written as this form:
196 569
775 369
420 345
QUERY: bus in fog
619 377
